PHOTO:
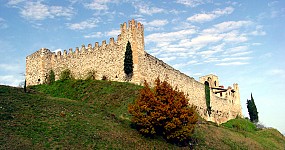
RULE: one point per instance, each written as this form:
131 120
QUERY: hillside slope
77 114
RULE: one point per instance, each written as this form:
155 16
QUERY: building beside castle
107 60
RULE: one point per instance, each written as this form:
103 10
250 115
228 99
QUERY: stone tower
135 35
37 66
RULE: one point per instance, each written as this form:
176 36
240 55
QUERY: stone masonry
107 60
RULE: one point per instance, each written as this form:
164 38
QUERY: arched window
207 83
215 83
209 78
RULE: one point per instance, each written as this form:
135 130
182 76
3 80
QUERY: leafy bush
65 75
163 111
51 77
91 75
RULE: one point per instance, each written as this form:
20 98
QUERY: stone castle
107 61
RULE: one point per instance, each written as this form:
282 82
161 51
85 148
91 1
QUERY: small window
215 83
39 80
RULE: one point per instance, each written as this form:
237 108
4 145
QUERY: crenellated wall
107 60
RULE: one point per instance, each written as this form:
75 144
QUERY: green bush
65 75
165 112
51 77
91 75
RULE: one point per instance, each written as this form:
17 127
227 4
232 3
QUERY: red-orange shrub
163 111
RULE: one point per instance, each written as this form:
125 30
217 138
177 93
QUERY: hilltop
88 114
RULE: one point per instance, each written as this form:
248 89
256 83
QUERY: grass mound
241 125
106 96
96 117
78 114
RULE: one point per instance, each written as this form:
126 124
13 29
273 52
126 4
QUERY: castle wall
151 68
222 109
105 60
108 60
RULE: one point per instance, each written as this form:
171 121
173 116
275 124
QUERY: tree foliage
252 110
163 111
208 98
51 77
128 61
65 75
91 75
25 86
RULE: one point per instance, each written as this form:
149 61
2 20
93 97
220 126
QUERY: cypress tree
252 110
25 86
128 61
208 97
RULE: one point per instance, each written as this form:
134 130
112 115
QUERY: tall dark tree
128 62
208 97
25 86
252 110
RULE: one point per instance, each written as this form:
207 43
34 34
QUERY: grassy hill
78 114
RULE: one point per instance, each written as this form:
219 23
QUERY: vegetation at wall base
91 114
51 77
65 75
91 75
208 98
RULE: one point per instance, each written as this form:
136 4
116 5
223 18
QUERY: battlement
132 33
133 25
106 61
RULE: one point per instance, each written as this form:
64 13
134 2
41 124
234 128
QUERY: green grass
240 125
78 114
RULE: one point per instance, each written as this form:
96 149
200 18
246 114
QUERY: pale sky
240 41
